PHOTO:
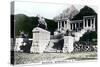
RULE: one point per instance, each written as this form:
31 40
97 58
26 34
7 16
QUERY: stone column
90 22
64 25
72 26
78 26
87 23
75 25
69 25
83 23
58 25
94 23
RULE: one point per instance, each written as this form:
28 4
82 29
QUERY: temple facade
88 23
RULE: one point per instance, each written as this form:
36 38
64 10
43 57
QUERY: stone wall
18 43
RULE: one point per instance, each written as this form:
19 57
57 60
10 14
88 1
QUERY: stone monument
68 43
41 39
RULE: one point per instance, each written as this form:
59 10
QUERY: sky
47 10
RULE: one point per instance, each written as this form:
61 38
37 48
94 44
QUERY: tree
89 37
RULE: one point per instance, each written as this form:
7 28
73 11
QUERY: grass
24 58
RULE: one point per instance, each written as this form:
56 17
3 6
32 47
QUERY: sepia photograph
48 33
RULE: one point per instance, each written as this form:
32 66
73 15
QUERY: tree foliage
89 37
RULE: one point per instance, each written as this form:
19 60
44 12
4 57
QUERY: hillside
67 13
85 11
26 24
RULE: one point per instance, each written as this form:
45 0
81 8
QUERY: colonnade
87 22
63 25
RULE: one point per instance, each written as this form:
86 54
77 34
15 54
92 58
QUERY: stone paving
25 58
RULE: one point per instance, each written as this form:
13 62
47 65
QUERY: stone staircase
79 34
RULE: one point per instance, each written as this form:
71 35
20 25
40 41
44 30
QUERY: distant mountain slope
85 11
68 13
26 24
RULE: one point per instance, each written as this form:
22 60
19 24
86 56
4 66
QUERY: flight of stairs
79 34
